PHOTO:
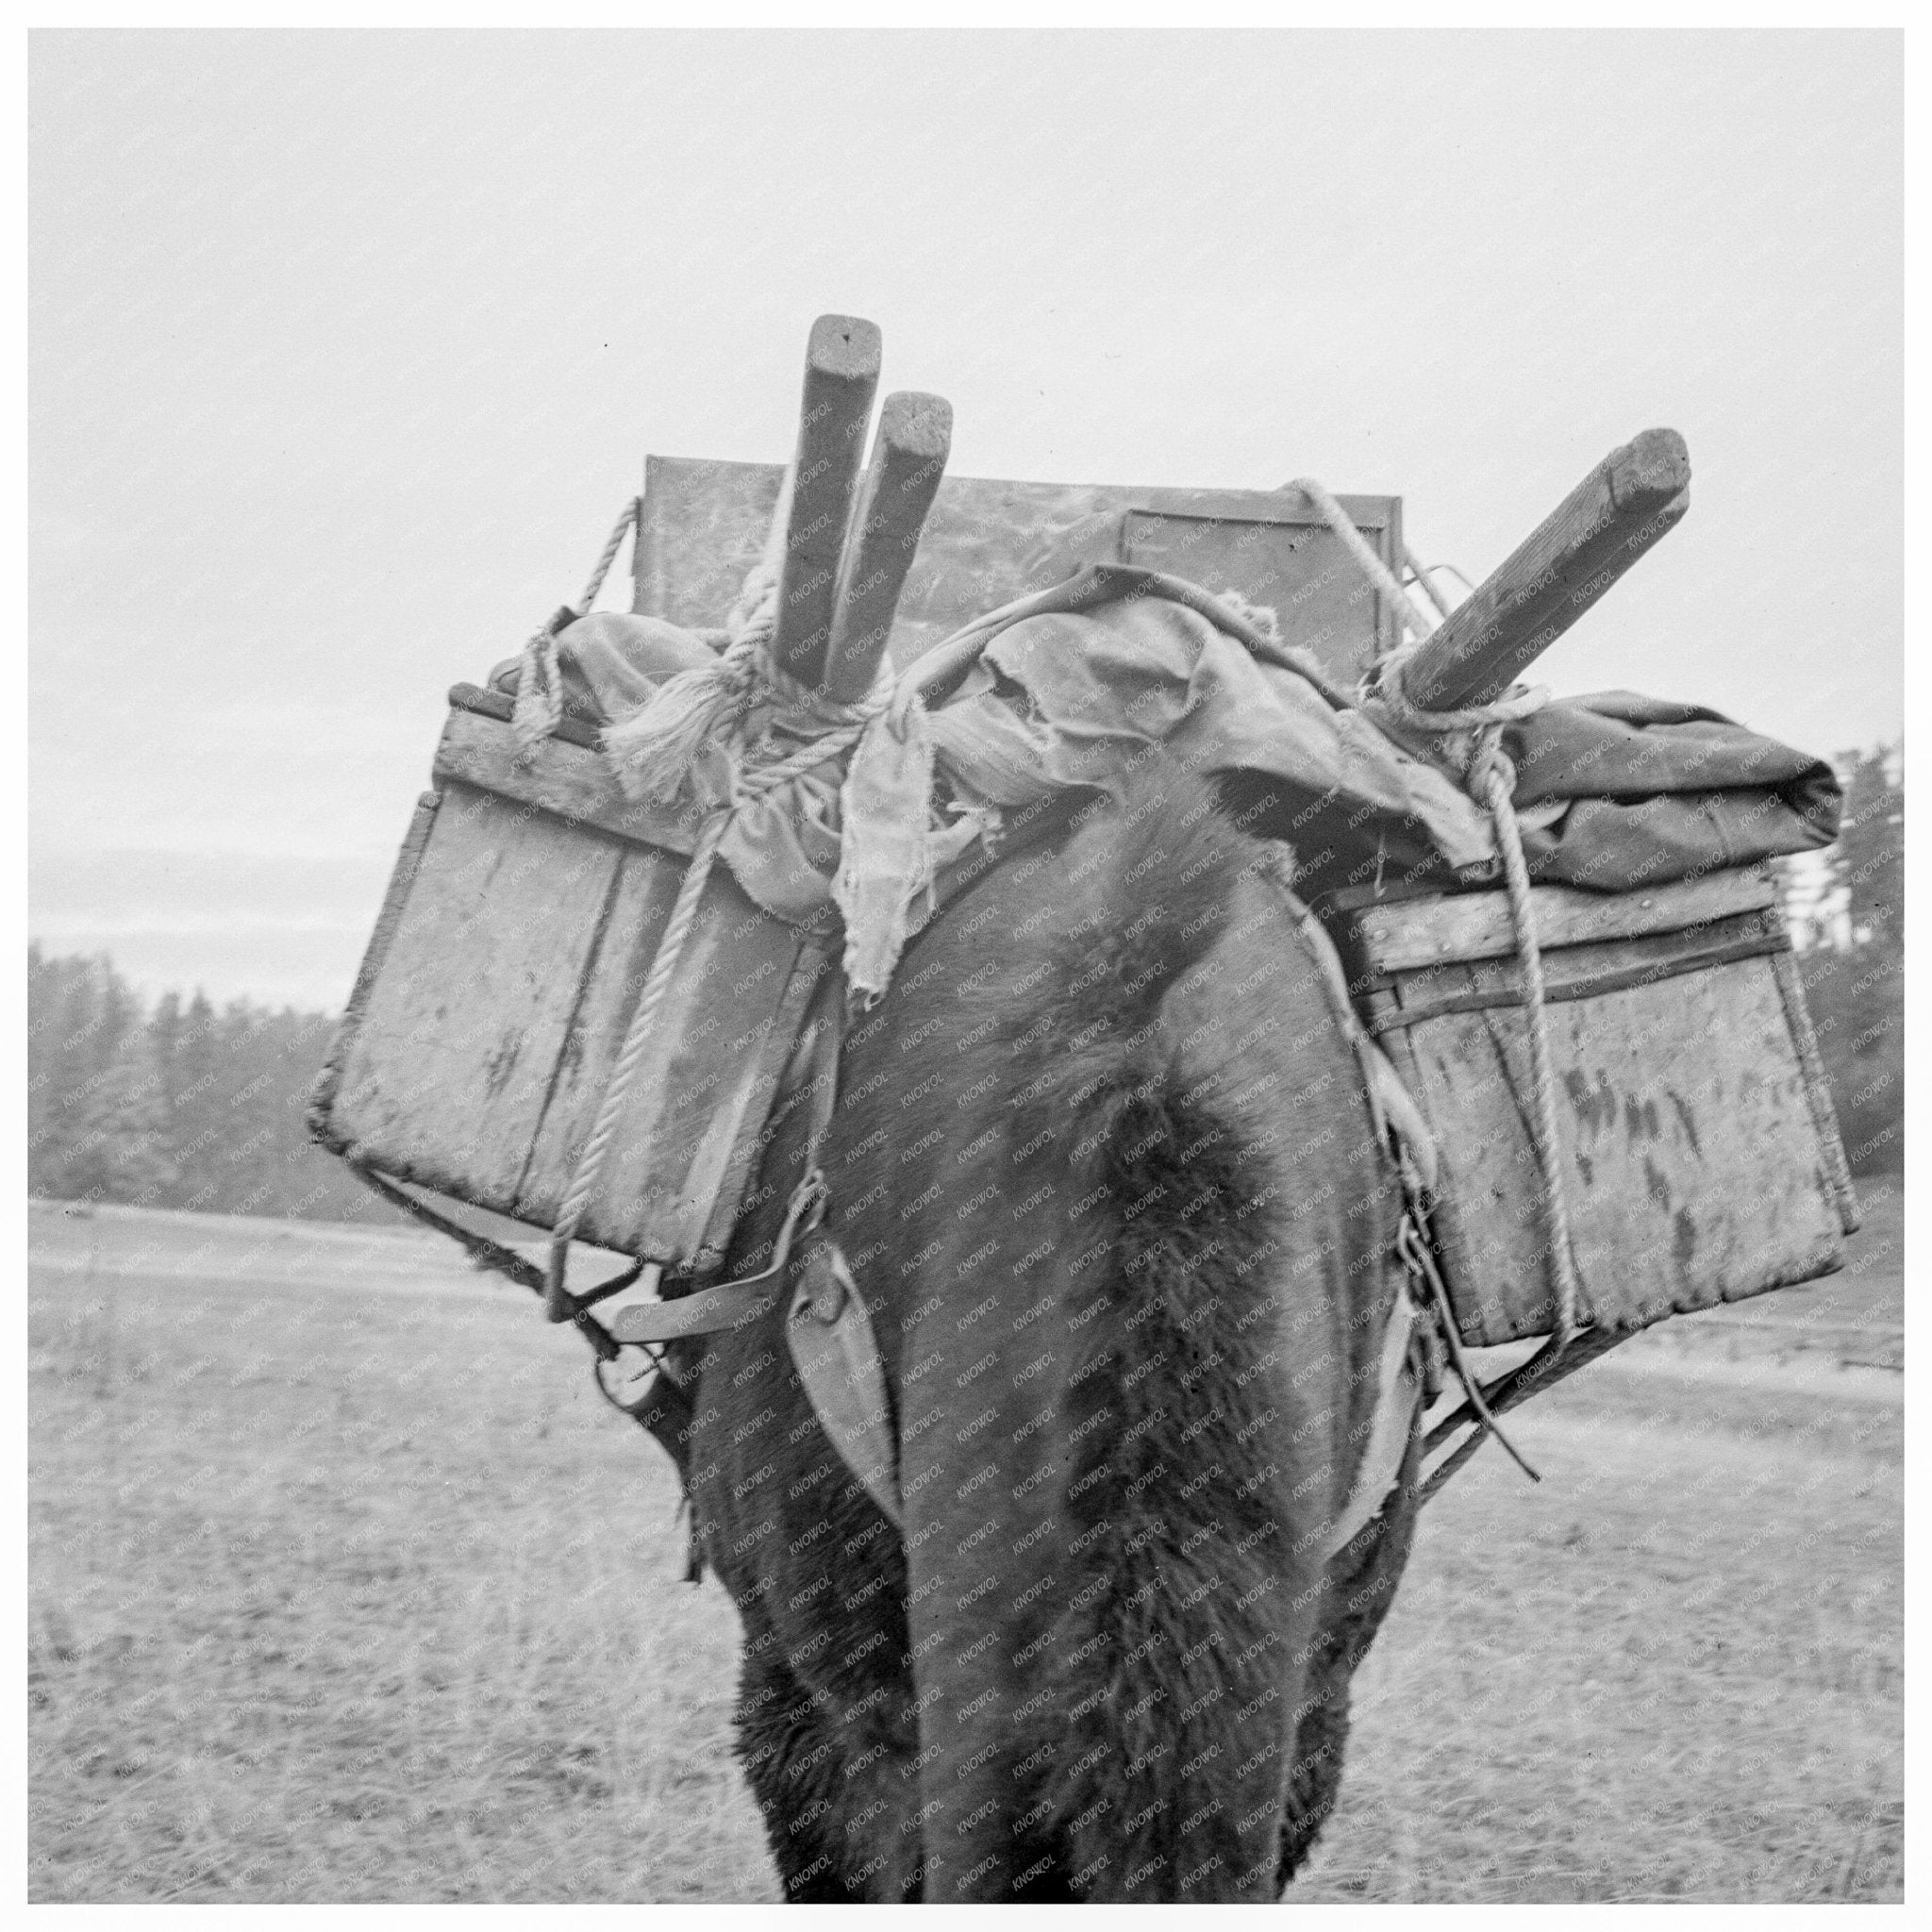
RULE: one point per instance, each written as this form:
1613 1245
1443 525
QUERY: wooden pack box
1703 1159
520 922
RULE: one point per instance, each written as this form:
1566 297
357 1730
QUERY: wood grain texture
566 780
506 984
1404 935
701 530
614 974
1817 1089
842 373
1284 559
1632 498
700 1078
1572 973
988 541
450 1069
322 1126
908 459
487 703
1697 1169
739 1173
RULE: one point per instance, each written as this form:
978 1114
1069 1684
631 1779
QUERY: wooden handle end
908 459
1649 471
844 348
842 374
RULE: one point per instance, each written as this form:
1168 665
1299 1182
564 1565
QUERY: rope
589 1162
1427 582
1390 701
1490 779
1402 1128
1365 559
539 687
1419 1257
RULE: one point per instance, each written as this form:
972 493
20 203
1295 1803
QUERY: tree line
179 1105
1849 918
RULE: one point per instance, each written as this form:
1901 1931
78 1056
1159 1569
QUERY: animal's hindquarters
1109 1242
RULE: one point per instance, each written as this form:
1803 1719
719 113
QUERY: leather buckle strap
731 1304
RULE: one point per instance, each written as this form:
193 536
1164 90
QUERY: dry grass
346 1586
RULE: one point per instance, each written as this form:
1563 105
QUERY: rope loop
1471 740
539 687
1491 765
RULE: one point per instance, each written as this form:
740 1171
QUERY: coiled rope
1490 779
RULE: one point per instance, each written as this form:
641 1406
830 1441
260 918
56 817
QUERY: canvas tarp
1614 792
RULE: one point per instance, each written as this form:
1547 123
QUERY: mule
1107 1186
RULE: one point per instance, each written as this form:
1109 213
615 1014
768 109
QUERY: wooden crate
1701 1153
523 915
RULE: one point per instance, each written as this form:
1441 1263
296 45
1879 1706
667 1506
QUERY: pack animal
1105 1180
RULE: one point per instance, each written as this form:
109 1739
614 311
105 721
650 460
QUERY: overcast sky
347 348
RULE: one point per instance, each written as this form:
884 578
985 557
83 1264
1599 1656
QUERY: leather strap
1402 1129
707 1312
838 1360
1398 1391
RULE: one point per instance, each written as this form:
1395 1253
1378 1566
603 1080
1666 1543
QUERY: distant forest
177 1106
180 1104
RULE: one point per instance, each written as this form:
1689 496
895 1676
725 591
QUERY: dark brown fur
1107 1185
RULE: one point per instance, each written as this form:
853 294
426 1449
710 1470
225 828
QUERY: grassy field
344 1585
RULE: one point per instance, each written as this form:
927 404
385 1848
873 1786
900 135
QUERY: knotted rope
749 782
695 734
540 689
1490 779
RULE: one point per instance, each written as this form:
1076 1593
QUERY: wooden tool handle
909 458
1593 536
842 373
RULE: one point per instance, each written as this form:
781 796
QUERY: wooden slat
402 876
1276 553
842 373
500 704
740 1169
450 1069
1594 535
700 1077
702 528
564 779
1578 972
1412 933
647 889
1372 515
909 458
1817 1090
